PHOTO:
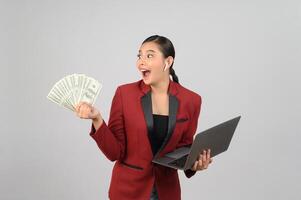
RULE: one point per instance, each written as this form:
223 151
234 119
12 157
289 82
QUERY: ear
168 62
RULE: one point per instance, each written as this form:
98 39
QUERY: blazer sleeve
187 138
111 138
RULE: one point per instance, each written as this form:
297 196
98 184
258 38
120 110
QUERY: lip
142 70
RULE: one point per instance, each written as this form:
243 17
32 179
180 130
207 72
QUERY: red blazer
125 140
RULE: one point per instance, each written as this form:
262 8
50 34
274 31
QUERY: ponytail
173 75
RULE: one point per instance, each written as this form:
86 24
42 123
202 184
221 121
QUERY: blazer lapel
146 103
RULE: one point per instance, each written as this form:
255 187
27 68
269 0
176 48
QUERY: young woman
148 118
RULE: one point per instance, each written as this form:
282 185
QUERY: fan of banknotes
72 89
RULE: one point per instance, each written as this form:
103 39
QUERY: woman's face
151 62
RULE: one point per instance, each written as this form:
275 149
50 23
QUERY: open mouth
145 73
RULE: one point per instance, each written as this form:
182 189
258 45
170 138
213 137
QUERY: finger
81 111
208 154
200 164
87 111
194 167
79 107
205 165
83 104
80 104
199 156
85 114
204 157
207 159
208 162
86 104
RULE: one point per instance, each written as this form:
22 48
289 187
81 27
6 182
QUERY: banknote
74 88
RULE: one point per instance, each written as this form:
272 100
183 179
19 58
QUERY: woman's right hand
85 110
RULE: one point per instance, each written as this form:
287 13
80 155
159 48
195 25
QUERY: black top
159 131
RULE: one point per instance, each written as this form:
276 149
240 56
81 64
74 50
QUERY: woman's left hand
203 161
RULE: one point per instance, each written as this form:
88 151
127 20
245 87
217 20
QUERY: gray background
242 57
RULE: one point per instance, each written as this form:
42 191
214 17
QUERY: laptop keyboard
179 162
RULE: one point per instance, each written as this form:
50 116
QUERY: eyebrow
148 50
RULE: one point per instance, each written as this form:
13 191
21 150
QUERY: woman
148 118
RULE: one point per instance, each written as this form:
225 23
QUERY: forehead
149 47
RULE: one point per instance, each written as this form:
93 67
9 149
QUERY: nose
141 61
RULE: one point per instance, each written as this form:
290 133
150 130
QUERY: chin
147 82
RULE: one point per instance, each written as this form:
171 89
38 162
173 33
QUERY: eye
149 55
138 55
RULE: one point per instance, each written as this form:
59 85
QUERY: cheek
156 73
157 67
156 62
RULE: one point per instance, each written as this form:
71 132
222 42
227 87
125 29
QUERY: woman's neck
161 87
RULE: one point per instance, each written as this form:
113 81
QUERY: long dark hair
167 49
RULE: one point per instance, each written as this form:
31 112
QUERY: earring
165 67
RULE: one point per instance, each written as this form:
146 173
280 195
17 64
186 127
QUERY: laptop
217 139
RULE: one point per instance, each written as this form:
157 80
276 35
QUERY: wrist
97 122
98 118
